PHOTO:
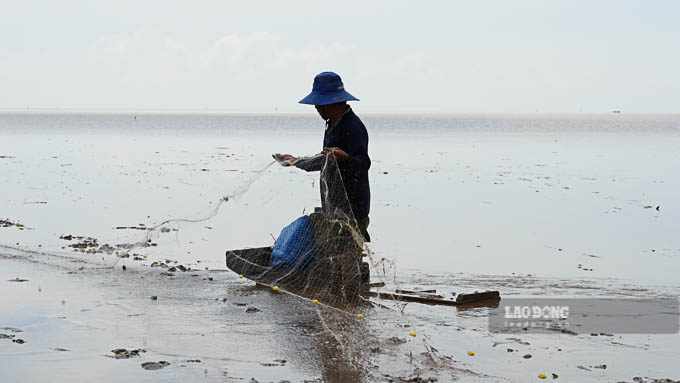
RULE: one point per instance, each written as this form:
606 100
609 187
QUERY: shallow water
526 205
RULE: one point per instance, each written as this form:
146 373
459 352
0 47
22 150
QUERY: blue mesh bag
295 245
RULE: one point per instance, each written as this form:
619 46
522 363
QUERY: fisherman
345 142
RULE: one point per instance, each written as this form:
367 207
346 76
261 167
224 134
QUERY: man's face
322 111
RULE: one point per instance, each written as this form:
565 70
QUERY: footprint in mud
155 365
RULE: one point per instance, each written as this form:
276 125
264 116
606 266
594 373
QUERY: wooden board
488 297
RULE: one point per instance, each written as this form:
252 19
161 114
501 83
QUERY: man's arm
310 164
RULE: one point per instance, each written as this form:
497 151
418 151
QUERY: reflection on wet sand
322 339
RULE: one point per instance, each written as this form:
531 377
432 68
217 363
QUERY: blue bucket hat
327 89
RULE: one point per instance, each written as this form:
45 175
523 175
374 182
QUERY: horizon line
88 110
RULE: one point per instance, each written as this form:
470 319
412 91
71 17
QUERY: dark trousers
363 228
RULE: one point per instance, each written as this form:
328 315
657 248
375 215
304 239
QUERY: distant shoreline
199 112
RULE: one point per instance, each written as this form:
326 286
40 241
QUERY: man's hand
335 154
285 159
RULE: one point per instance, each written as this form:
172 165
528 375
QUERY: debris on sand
60 349
18 280
84 243
277 362
8 337
91 245
140 227
155 365
128 246
252 310
122 353
109 249
414 379
7 223
12 329
395 340
518 340
561 330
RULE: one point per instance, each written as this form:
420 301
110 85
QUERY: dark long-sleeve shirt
350 135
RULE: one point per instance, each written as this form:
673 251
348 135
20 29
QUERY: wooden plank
487 296
475 297
409 298
374 284
417 292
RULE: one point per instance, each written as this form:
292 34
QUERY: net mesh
332 270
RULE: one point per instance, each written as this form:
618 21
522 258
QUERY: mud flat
553 207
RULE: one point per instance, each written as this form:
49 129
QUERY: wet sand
536 212
212 325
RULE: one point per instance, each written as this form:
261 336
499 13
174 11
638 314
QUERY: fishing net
322 256
334 272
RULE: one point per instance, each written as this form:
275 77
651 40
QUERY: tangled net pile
327 265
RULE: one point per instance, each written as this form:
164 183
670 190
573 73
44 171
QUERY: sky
448 56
